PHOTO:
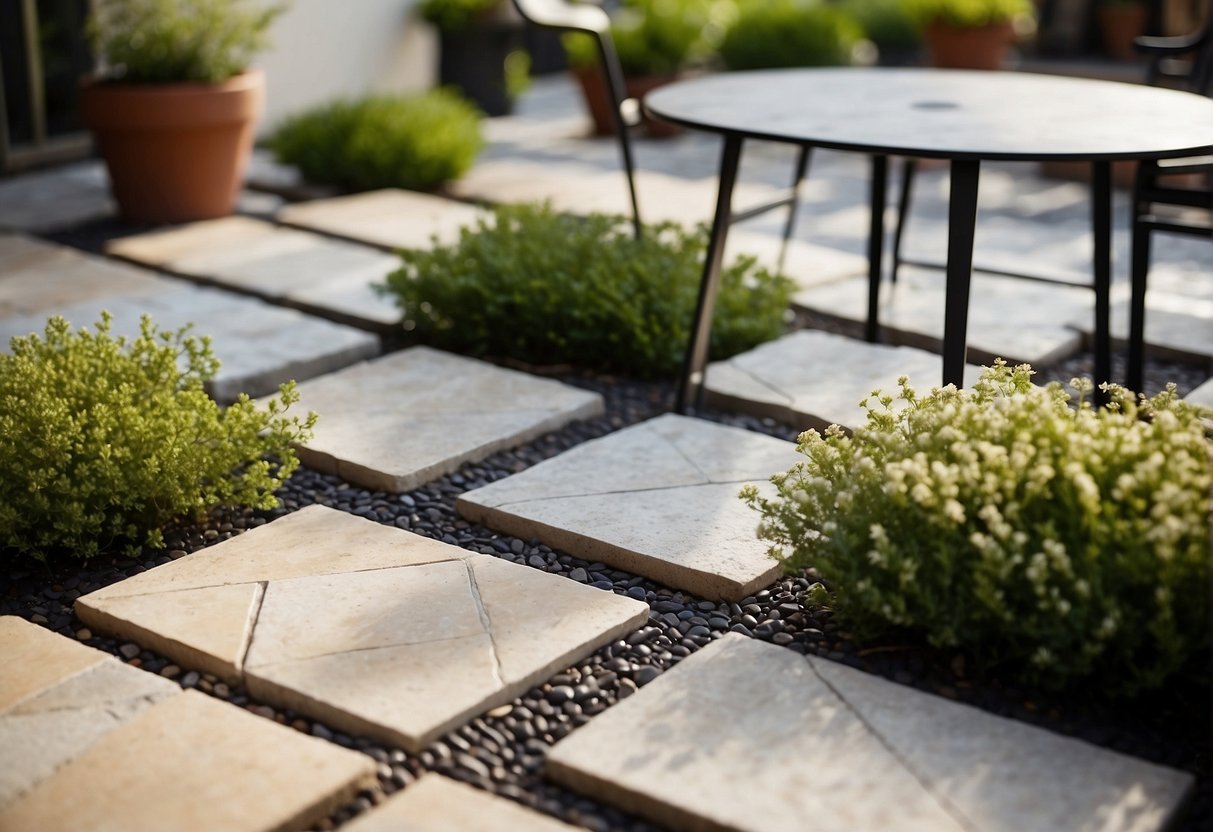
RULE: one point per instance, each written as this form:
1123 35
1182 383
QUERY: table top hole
935 105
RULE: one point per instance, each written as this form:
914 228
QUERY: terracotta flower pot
982 47
637 88
598 100
175 152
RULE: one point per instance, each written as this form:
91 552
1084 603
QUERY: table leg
876 201
962 222
695 363
1101 227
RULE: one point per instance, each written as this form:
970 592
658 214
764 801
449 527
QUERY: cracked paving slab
658 499
726 740
397 422
813 379
368 628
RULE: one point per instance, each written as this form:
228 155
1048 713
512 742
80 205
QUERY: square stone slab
745 735
404 419
1178 327
390 218
56 198
814 379
368 628
658 499
439 804
193 762
1202 395
1019 320
318 274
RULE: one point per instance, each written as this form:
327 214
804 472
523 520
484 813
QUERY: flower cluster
1067 540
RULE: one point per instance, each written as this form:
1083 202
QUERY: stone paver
808 264
259 345
749 736
55 198
1019 320
814 379
438 804
390 218
371 629
1178 327
404 419
1202 395
658 499
318 274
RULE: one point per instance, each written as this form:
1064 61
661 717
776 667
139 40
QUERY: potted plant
480 50
969 34
788 33
655 42
1120 21
173 103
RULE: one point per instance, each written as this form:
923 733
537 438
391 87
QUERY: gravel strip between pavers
503 751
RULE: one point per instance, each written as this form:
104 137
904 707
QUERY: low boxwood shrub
104 440
539 286
789 33
885 23
1069 544
655 37
416 142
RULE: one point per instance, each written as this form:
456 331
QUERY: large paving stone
318 274
808 264
404 419
389 218
259 345
748 736
55 198
438 804
1019 320
658 499
369 628
815 379
192 762
1202 395
1178 327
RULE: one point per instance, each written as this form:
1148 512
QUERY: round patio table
965 117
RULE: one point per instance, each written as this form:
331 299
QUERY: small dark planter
473 60
547 53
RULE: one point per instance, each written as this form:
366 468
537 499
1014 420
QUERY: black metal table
962 116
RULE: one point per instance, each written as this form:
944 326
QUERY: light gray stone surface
55 198
1178 327
658 499
404 419
1019 320
1202 395
328 277
813 379
745 735
439 804
389 218
368 628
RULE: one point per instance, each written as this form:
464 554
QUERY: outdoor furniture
962 116
1153 194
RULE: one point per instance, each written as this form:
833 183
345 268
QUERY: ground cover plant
539 286
967 13
1068 543
104 440
789 33
416 142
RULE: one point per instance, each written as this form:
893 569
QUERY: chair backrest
558 14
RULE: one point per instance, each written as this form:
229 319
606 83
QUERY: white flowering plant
1054 538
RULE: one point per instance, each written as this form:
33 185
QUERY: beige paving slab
319 274
1019 320
192 762
258 344
390 218
744 735
439 804
658 499
1178 327
369 628
813 379
404 419
808 264
36 659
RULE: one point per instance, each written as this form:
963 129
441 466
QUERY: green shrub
177 41
453 15
655 37
967 13
547 288
418 142
1071 544
884 22
104 440
789 33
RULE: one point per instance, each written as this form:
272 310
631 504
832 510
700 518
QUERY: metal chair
1160 205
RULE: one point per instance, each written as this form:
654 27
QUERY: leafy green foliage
416 142
1071 543
104 440
546 288
657 37
454 15
884 22
967 13
789 33
178 41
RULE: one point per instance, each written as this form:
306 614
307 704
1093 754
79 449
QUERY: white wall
326 49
